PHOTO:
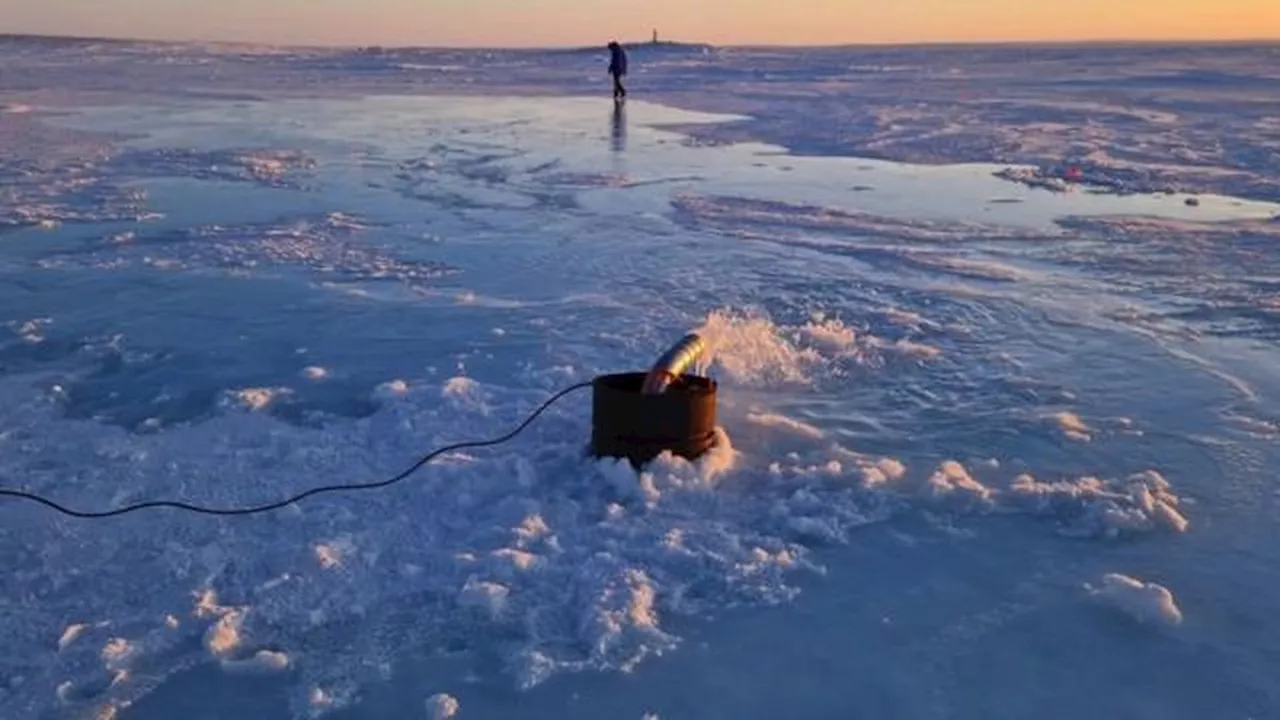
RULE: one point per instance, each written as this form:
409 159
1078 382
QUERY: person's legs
618 90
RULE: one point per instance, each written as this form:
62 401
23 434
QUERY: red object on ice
1073 173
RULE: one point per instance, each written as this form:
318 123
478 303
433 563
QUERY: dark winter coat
617 60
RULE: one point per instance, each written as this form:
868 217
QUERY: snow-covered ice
976 350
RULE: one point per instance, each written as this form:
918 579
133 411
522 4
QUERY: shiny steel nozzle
673 363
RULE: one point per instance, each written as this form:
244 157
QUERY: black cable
301 496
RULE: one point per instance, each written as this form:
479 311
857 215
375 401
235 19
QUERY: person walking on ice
617 68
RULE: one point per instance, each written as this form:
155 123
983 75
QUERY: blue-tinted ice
988 451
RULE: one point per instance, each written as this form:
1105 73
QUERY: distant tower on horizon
655 36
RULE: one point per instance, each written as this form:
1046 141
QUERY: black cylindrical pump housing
625 422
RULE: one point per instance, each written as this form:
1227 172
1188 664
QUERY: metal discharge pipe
673 363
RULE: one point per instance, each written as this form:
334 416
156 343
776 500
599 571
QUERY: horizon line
762 46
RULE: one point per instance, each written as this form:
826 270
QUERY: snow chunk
783 422
207 604
532 528
1091 507
64 692
638 603
902 346
488 596
391 389
1072 426
32 331
442 706
621 624
891 468
907 318
952 483
223 637
1146 602
669 472
331 554
815 529
263 662
315 372
318 698
464 392
910 348
873 477
70 634
460 387
258 398
327 697
519 559
619 474
719 459
881 472
117 653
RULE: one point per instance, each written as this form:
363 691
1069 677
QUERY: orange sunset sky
578 22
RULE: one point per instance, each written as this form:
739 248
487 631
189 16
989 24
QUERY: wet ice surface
977 437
